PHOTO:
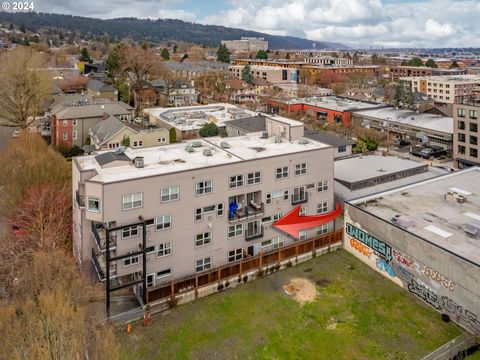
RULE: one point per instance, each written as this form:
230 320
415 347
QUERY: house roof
80 109
326 138
249 124
105 129
99 86
108 157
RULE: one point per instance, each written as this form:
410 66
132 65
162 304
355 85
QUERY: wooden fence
245 265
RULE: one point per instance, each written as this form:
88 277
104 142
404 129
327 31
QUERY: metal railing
247 212
454 348
253 236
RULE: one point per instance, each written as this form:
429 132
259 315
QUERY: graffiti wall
424 281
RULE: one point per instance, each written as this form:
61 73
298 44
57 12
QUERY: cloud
361 23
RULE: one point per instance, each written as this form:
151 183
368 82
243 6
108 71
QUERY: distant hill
156 30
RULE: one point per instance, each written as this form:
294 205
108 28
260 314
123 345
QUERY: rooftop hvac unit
303 141
224 145
461 199
264 135
207 152
189 148
472 228
120 150
196 144
139 163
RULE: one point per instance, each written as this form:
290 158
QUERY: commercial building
465 134
298 91
71 119
424 237
272 74
329 61
406 124
397 72
111 133
445 89
331 109
250 44
146 217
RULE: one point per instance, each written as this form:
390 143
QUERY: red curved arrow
293 222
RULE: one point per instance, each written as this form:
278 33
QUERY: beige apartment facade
203 204
272 74
246 44
465 135
445 89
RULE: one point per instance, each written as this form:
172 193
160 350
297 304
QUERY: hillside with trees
152 30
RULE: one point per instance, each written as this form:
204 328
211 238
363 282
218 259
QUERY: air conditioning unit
461 199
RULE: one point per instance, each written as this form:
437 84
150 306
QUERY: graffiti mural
458 312
438 278
381 247
402 273
402 259
363 249
424 293
384 266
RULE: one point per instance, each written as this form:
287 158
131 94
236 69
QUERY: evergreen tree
173 135
125 141
209 129
262 54
431 63
22 28
398 95
454 65
223 54
85 56
175 48
165 54
246 74
415 62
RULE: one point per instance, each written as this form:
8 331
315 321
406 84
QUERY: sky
356 23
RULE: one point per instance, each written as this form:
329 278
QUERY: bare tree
25 86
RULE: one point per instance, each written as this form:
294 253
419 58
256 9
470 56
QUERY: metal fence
454 349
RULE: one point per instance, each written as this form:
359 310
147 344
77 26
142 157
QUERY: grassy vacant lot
358 314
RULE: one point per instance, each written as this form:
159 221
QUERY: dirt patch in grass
322 282
302 290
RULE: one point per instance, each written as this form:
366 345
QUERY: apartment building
272 74
465 134
329 61
445 89
163 213
250 44
397 72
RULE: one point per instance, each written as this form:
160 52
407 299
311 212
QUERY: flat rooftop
335 103
449 78
175 158
407 117
430 215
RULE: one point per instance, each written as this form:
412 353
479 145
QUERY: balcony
248 206
126 280
79 199
101 267
299 198
252 235
99 234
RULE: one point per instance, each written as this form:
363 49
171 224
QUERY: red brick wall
57 133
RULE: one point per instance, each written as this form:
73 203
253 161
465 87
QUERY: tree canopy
262 54
431 63
165 54
209 129
223 54
246 74
415 62
85 56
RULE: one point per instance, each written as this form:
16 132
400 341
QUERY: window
461 125
93 204
161 140
473 114
129 232
132 201
461 137
322 208
322 229
275 195
132 260
203 187
65 122
299 194
235 230
169 194
342 148
199 212
163 222
322 185
254 228
473 152
138 143
65 136
461 112
253 178
203 264
473 127
236 181
74 135
461 149
150 280
164 249
203 239
302 211
274 243
164 273
235 255
220 209
302 234
75 122
473 140
301 169
281 172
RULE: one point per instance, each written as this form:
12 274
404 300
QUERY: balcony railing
249 236
247 212
120 282
99 234
299 199
100 266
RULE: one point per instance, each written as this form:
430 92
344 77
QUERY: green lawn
375 319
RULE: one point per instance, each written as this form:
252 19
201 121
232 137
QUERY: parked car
429 152
402 143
